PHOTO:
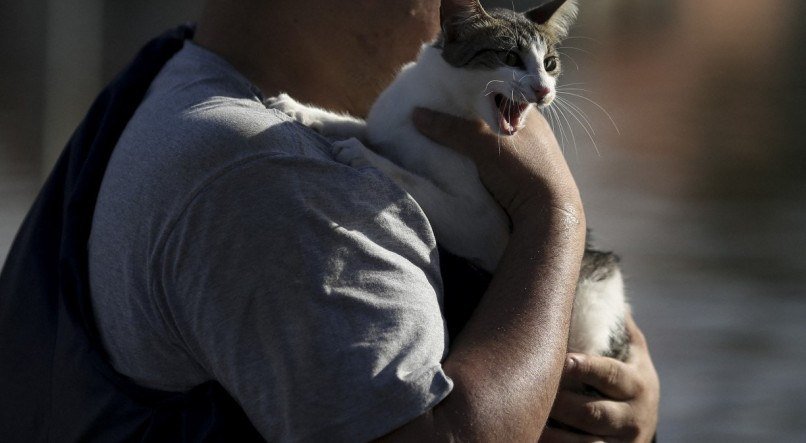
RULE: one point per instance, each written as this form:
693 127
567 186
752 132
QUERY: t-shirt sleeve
311 291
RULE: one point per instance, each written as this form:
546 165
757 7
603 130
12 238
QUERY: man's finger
592 415
637 339
609 376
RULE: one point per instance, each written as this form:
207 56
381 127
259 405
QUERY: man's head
332 53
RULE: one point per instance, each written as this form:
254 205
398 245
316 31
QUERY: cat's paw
296 110
352 152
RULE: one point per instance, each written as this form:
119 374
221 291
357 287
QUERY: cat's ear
460 8
557 15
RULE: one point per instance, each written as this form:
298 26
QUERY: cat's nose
541 92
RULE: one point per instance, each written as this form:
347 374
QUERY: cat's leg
600 309
329 124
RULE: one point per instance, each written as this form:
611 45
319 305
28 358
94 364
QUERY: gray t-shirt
228 244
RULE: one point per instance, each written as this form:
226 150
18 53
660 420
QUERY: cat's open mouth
509 114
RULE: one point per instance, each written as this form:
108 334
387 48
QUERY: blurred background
698 182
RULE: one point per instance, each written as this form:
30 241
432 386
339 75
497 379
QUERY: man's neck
275 56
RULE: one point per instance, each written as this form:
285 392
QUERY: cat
497 65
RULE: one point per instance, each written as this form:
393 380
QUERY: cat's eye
512 59
551 64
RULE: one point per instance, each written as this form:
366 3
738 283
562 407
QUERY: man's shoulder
201 117
200 107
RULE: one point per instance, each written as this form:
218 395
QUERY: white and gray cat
497 65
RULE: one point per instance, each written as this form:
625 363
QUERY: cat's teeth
509 114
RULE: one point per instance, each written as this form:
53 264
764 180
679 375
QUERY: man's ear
557 15
460 8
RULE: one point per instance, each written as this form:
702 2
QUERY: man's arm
506 363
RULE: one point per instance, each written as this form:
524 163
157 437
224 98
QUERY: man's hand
526 172
629 410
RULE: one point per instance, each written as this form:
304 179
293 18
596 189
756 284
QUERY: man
227 244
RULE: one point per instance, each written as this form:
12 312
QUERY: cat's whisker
576 65
579 111
549 119
571 84
570 110
561 111
487 87
582 114
563 136
565 89
582 118
563 139
553 123
566 139
618 131
576 49
491 82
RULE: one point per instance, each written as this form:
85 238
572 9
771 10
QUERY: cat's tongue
509 114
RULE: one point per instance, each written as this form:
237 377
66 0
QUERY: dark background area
701 189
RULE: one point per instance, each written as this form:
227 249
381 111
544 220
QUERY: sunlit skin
507 363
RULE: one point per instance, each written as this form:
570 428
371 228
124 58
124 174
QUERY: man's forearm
506 363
